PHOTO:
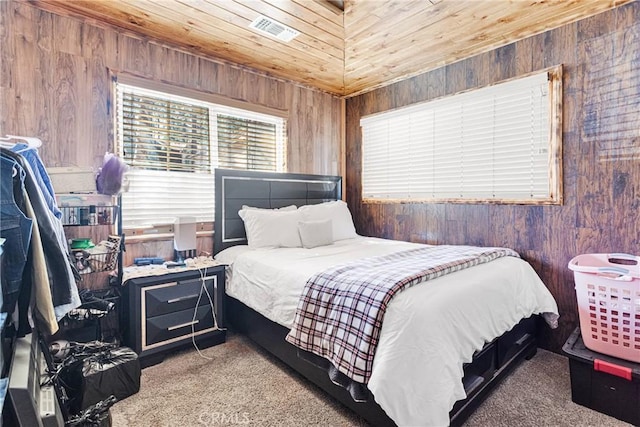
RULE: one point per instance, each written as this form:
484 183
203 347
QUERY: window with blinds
233 150
498 144
173 143
164 135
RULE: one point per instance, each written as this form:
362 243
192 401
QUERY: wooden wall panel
55 84
601 155
59 69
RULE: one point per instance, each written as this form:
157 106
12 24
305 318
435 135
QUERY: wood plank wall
601 156
55 84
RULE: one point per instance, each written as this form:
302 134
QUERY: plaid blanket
339 316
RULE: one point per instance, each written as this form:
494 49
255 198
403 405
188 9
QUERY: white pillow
284 208
316 233
229 255
337 212
267 228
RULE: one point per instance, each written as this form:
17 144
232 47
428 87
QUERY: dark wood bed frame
272 190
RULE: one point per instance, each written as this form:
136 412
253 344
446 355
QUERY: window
173 143
498 144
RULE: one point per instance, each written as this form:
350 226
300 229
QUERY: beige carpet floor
240 384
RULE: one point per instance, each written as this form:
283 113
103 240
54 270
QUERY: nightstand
160 314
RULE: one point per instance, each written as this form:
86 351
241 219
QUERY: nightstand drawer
175 296
161 330
159 311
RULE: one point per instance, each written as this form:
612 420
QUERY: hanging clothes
58 268
41 175
16 228
36 185
41 297
3 314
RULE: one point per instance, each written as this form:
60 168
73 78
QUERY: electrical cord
203 286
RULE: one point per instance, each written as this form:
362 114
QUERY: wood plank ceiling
370 44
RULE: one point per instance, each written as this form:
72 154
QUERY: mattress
429 330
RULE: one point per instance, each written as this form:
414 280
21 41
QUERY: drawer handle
472 384
173 328
171 301
522 339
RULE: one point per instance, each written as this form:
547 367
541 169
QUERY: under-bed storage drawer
481 369
159 312
513 341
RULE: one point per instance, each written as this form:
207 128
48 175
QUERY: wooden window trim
555 75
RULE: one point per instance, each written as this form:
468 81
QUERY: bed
434 378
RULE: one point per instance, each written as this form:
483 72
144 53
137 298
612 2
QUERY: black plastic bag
96 377
97 415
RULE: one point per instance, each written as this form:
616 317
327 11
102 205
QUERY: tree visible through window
159 134
246 144
173 143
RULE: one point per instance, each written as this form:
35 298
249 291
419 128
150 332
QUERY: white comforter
429 330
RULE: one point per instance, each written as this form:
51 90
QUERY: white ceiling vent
273 28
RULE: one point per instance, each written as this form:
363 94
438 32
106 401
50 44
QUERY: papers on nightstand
160 269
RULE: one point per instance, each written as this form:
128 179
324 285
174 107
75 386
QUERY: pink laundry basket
608 292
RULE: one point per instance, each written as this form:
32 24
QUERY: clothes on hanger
57 274
41 178
3 315
41 297
40 173
16 228
8 141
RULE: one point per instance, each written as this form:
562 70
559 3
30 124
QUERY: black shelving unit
96 264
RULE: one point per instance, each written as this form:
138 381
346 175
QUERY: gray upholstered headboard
235 188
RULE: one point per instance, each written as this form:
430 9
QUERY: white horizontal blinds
447 161
173 143
159 197
166 141
521 146
394 157
490 143
161 134
245 143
